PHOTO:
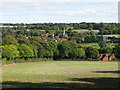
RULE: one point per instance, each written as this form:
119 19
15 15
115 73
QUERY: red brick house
106 57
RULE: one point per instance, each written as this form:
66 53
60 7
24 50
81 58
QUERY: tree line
104 28
28 41
34 48
71 35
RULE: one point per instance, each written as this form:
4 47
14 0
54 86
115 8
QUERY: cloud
59 8
88 12
26 3
12 5
78 12
59 0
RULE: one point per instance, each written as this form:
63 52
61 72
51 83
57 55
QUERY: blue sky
58 11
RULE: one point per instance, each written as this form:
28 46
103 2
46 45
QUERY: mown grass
61 74
86 30
95 45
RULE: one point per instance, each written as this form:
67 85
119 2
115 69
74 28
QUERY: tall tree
8 39
91 53
25 51
10 52
117 51
64 49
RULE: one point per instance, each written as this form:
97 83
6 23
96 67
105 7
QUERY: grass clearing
61 74
86 30
95 45
113 35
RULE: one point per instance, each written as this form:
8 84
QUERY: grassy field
85 30
71 75
113 35
95 45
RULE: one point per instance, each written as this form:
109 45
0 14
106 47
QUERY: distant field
114 35
71 75
95 45
85 30
6 26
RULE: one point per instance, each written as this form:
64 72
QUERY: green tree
105 50
117 51
91 53
103 44
64 49
101 31
77 53
7 40
73 44
25 51
47 47
34 49
54 48
10 52
41 52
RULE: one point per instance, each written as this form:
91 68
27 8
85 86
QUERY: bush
4 61
10 61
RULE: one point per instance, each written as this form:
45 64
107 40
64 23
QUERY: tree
91 53
34 49
7 40
41 52
103 44
90 26
54 48
105 50
48 53
47 47
101 31
117 51
44 51
77 53
24 41
10 52
80 52
64 49
25 51
73 44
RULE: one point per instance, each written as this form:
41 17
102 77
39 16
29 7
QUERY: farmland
95 45
86 30
71 75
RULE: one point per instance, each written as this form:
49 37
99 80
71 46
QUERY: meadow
65 75
95 45
86 30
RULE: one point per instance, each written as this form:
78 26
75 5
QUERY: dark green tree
103 44
116 51
91 53
105 50
64 49
7 40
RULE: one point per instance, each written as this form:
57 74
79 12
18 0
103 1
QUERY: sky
58 11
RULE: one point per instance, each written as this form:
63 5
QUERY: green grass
113 35
95 45
61 74
86 30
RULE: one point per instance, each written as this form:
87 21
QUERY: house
48 34
55 40
106 57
